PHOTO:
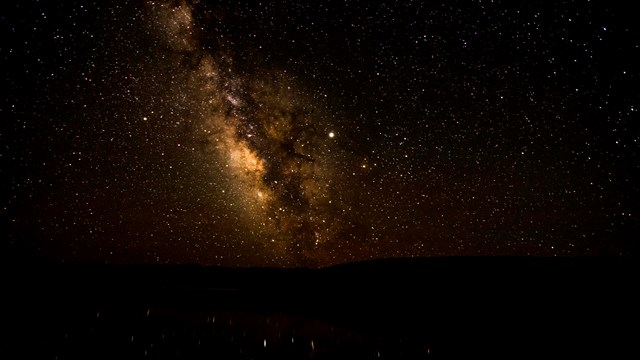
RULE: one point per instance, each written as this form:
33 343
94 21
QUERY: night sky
311 133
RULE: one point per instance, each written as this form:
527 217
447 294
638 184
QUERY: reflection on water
120 331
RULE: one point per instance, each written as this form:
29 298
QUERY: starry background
314 133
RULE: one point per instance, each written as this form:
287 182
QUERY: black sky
314 133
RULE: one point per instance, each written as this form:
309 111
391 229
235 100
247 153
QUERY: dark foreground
389 309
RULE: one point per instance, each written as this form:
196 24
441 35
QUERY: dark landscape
394 309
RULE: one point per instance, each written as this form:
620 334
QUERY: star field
310 134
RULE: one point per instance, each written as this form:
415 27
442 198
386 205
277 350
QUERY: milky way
271 136
294 134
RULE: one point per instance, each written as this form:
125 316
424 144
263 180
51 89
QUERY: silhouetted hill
395 272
